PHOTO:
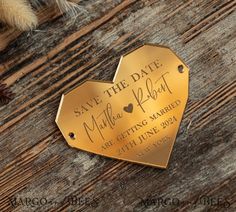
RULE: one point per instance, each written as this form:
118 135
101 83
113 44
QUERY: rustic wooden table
40 172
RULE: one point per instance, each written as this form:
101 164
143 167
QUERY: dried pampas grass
67 6
19 13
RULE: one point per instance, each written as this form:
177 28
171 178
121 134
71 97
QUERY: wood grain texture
41 65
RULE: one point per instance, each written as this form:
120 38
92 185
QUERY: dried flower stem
5 94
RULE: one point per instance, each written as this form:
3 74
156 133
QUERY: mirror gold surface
136 116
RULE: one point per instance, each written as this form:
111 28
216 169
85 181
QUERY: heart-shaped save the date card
136 116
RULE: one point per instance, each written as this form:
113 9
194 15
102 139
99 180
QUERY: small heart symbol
129 108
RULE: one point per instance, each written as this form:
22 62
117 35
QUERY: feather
18 13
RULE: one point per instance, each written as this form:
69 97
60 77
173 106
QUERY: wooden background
41 65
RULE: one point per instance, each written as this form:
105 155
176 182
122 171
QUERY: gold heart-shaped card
135 117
